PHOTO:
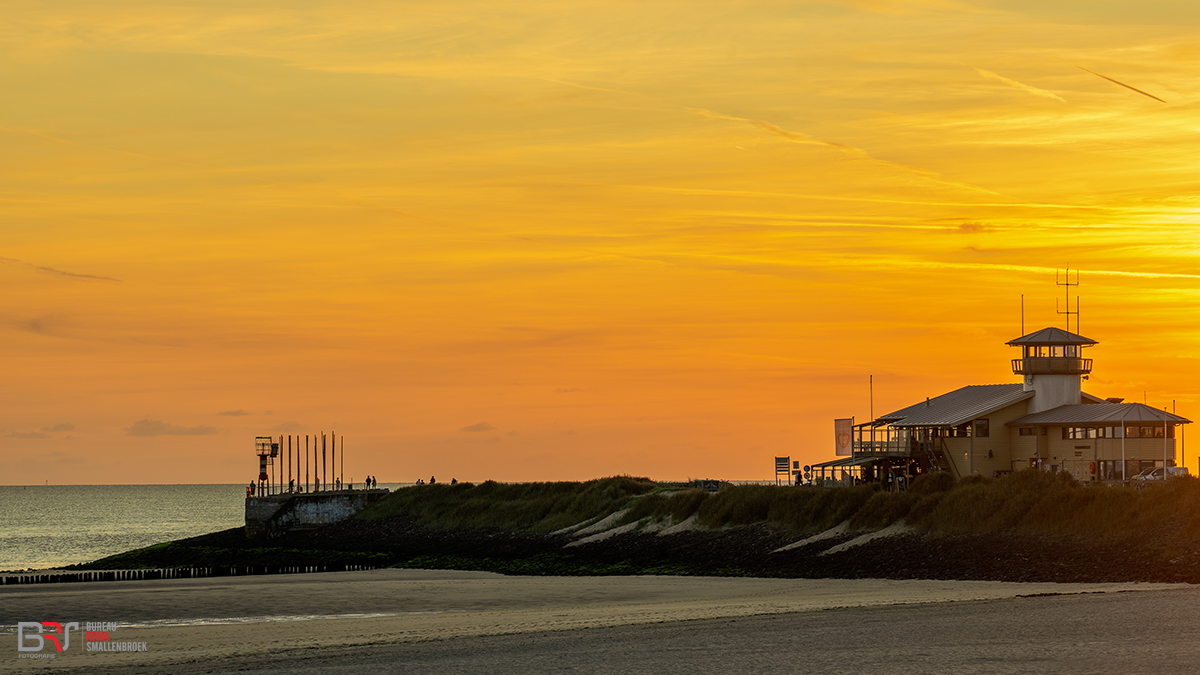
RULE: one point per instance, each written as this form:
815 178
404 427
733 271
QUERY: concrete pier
273 515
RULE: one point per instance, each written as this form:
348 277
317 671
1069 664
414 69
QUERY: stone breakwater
274 515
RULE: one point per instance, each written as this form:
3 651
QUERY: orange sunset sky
548 240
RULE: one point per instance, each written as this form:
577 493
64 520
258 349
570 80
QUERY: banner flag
843 436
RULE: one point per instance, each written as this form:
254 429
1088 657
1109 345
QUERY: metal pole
1182 458
342 471
1164 447
971 451
289 459
324 467
307 463
333 444
1124 433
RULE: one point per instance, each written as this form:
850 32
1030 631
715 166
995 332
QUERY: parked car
1156 473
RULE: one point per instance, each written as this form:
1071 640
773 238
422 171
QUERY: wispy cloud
857 153
148 427
234 413
62 273
989 75
64 141
65 426
28 435
886 262
971 227
482 426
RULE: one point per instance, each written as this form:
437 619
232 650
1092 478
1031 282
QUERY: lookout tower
267 450
1052 364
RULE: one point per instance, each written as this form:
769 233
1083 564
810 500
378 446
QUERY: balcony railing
1052 365
882 447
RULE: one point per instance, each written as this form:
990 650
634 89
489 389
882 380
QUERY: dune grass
533 507
1026 502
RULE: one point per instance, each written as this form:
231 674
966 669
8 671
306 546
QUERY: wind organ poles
270 479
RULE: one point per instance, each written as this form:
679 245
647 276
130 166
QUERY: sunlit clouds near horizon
543 241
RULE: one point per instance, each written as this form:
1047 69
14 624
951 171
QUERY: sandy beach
215 625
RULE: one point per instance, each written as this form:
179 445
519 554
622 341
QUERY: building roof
1051 336
1099 414
959 406
846 461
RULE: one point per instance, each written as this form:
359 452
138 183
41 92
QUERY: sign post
783 466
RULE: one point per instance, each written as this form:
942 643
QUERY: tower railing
1051 365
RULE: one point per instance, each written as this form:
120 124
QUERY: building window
1027 431
981 428
1149 432
1080 433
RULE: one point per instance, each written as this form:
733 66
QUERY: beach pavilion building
1046 421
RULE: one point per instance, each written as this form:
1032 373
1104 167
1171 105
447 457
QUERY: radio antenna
1066 283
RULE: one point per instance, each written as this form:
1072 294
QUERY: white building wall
999 444
1051 391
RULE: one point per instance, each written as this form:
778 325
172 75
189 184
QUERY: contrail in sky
859 153
1019 85
1121 83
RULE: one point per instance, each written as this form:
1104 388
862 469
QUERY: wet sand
446 621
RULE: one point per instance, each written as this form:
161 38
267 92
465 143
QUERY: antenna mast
1066 283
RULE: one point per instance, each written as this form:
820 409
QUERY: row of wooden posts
172 573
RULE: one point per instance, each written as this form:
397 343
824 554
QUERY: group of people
370 483
316 485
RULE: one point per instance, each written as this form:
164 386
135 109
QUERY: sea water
44 526
55 525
